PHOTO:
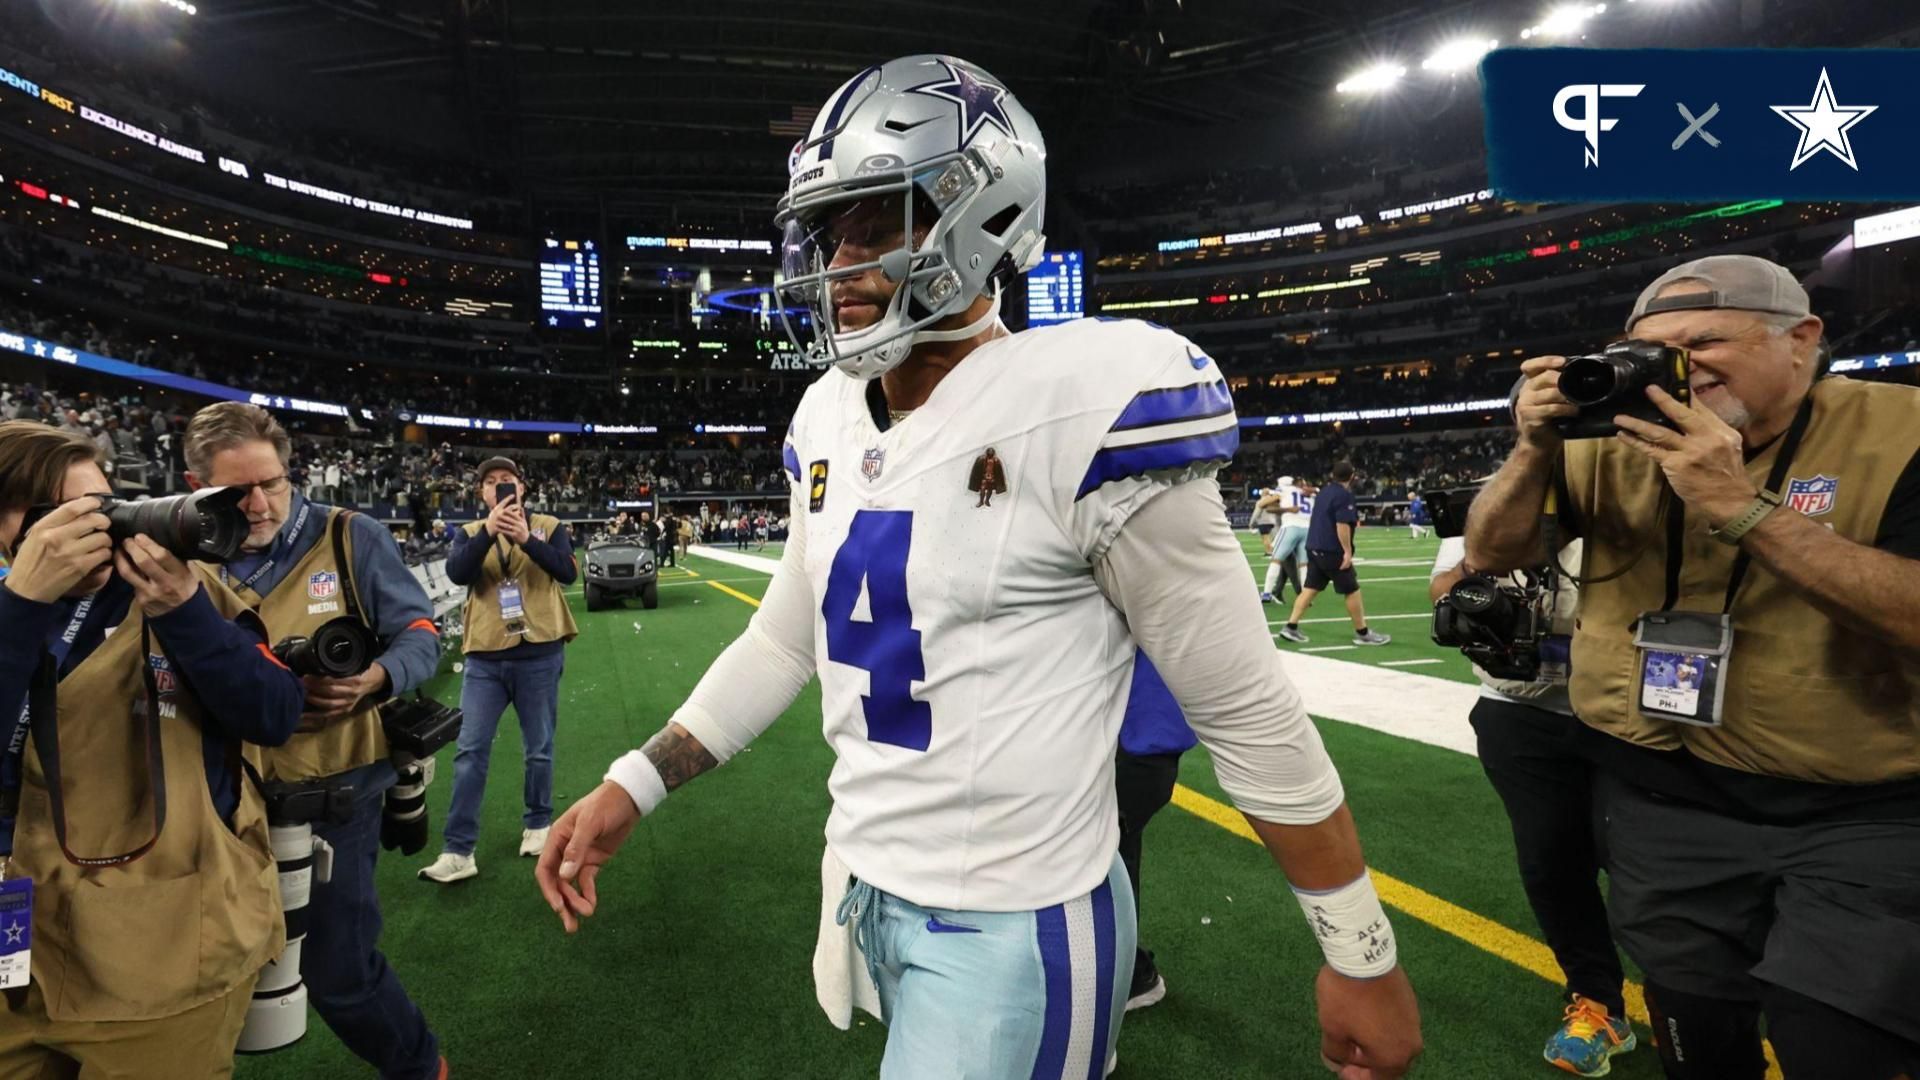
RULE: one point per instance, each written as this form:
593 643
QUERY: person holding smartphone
516 566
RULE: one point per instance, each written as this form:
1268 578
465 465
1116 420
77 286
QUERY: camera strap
338 535
11 772
44 699
1677 511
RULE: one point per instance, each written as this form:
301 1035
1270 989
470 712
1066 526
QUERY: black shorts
1265 527
1713 905
1323 568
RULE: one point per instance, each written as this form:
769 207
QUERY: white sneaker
449 868
532 840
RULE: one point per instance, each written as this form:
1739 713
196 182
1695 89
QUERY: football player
974 659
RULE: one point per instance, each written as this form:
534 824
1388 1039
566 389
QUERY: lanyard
1676 514
299 523
504 550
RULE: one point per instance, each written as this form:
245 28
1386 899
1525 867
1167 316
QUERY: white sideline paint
1418 707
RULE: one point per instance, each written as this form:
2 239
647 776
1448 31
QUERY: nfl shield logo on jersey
1812 497
323 584
871 463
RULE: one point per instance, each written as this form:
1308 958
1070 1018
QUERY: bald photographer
1746 665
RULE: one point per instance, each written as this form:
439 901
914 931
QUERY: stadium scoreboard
1054 291
570 285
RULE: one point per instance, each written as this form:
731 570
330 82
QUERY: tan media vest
1806 698
548 617
314 593
192 918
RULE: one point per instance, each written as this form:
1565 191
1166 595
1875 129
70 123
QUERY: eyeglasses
276 486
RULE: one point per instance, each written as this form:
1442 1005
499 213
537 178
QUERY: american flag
798 125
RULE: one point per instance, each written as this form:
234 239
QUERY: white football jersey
973 676
1298 519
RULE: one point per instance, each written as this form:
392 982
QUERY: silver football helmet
939 138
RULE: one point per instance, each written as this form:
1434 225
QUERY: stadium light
1371 79
1564 21
1458 55
178 5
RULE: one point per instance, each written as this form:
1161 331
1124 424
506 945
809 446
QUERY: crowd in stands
168 102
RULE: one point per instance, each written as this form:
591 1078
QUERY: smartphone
504 492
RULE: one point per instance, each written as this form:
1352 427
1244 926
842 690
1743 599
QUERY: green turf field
697 965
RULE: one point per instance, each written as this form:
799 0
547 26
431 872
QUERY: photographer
138 860
1526 738
304 564
516 567
1761 826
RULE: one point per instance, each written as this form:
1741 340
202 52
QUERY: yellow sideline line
1478 931
735 593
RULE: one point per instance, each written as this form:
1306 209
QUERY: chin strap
986 319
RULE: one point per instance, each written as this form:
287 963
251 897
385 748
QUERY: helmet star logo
979 101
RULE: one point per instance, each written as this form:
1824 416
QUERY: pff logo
1590 123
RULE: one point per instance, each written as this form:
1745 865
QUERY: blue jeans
348 980
973 995
532 687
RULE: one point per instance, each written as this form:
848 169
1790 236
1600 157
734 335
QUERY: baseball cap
493 463
1285 481
1735 282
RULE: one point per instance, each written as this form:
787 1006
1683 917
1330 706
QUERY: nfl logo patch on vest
871 463
1811 497
323 584
163 679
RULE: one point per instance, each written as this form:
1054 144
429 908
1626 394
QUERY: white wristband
1352 928
640 779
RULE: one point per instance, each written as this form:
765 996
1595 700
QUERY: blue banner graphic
1643 125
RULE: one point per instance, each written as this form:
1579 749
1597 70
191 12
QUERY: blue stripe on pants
1103 982
1051 932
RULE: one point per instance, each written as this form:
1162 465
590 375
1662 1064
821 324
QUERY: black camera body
1448 506
1614 381
419 727
204 526
1497 626
340 649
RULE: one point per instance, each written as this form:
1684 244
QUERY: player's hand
59 552
1704 460
1369 1028
582 841
160 581
1541 403
1346 560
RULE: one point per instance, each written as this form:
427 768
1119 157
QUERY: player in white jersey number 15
984 525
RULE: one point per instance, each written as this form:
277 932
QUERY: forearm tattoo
678 755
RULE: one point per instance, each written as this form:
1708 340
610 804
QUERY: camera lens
1590 380
207 525
341 648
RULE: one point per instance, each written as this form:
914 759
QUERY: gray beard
1733 412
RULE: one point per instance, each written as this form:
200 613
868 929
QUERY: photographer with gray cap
516 566
1762 819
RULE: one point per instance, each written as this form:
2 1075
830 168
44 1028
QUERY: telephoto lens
277 1015
341 648
206 525
404 824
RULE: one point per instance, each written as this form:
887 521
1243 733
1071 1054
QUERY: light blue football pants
971 995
